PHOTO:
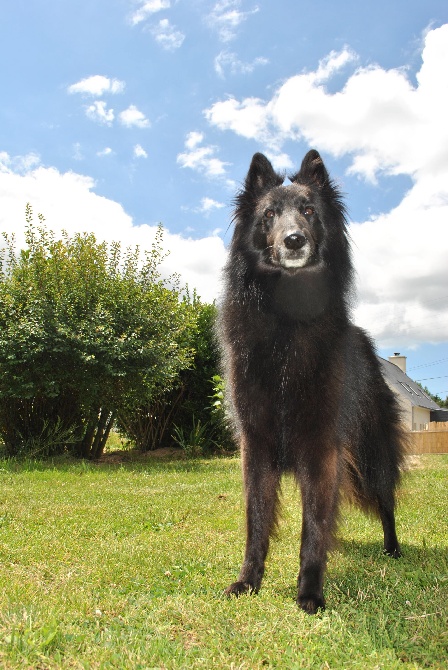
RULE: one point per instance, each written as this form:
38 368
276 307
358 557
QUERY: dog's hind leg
377 495
387 516
319 485
261 482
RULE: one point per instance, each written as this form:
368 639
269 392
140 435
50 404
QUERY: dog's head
291 227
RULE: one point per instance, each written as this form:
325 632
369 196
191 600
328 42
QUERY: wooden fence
432 441
438 425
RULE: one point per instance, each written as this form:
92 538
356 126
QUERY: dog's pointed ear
261 175
312 170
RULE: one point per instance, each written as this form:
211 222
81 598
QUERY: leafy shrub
191 441
214 435
86 332
189 403
220 423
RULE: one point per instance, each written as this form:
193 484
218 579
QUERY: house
418 408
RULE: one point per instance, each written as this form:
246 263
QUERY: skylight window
409 389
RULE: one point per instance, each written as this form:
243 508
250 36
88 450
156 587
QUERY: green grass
123 566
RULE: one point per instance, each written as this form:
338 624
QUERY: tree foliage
86 330
193 407
436 397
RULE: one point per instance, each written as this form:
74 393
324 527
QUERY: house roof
405 386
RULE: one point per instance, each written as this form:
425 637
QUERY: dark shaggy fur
305 385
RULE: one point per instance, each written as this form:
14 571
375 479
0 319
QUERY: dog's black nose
295 240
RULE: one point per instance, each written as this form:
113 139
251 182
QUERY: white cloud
301 99
371 118
77 152
139 152
226 16
133 117
331 64
194 139
226 60
387 126
68 201
97 85
201 158
18 164
167 35
280 161
247 118
402 269
107 151
148 8
208 205
99 112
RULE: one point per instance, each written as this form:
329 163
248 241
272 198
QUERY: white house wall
420 418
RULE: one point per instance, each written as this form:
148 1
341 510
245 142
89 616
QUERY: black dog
307 392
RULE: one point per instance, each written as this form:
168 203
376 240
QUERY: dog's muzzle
294 250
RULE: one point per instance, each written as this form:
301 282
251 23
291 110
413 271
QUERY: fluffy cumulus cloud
97 85
401 262
139 152
132 116
247 118
301 100
387 126
99 111
68 201
201 158
208 205
167 35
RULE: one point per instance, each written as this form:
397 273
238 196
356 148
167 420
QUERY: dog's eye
269 213
309 211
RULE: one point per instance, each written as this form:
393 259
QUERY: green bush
195 400
86 332
193 440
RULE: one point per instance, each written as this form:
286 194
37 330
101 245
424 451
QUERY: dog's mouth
297 249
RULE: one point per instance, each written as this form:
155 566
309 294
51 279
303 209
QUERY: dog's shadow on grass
363 568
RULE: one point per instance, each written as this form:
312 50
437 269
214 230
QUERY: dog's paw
238 588
394 552
311 604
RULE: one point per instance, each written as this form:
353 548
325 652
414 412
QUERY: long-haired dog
305 384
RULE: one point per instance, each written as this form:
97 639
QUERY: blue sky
119 114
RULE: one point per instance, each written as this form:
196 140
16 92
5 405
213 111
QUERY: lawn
122 565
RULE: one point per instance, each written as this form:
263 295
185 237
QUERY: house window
409 389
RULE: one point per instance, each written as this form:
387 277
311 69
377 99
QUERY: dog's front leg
319 485
261 483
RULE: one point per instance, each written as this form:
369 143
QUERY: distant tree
85 330
435 397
